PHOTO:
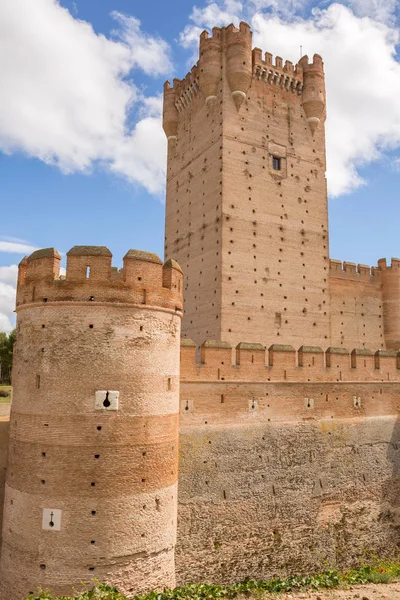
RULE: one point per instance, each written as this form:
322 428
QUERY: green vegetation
379 572
6 355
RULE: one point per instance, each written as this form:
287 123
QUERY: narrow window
87 272
276 163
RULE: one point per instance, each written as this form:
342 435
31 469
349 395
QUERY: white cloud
151 54
9 274
16 247
8 282
142 156
362 74
286 8
214 14
363 84
379 10
68 99
151 106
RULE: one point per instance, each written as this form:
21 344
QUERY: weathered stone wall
289 462
259 498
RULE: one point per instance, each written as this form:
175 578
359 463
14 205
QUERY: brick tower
246 212
91 488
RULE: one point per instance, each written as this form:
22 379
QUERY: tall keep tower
246 208
91 488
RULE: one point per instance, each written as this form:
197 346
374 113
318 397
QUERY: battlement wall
277 72
394 266
254 363
228 35
365 304
351 270
90 277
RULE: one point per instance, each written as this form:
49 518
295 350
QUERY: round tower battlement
91 489
143 279
313 90
239 63
210 63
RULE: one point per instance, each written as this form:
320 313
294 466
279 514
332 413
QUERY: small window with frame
276 163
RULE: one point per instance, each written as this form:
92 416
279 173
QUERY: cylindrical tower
313 90
239 61
170 113
390 277
210 64
91 488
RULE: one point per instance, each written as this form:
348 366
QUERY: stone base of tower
40 564
131 577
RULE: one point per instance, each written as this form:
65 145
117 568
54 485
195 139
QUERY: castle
281 427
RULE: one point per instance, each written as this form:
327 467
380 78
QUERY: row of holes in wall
255 403
106 402
262 306
93 484
91 326
143 300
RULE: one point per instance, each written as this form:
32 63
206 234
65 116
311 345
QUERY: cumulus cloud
358 45
288 8
149 53
68 97
379 10
214 14
8 281
16 247
363 83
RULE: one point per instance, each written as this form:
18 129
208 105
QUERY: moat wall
258 498
285 476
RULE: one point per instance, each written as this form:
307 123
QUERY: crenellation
143 280
364 359
250 354
253 362
311 356
84 262
42 264
285 76
349 269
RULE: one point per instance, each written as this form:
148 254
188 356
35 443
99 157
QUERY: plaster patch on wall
51 520
106 400
309 403
186 405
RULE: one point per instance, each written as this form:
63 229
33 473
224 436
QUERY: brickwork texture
280 409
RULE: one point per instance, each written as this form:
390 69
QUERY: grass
378 572
6 399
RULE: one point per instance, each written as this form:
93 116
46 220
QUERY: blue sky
82 153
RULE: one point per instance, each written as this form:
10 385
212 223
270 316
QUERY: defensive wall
289 460
365 304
